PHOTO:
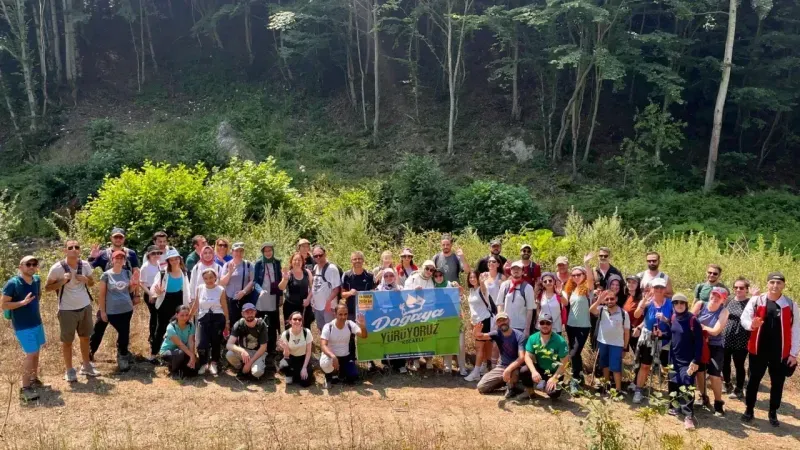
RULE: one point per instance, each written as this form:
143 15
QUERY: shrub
10 221
157 197
419 194
493 208
257 185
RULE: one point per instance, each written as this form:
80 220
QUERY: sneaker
475 375
202 370
638 397
573 388
88 370
123 363
288 380
483 369
727 388
448 366
688 423
27 394
70 376
707 403
523 396
773 419
212 368
718 410
326 384
540 386
403 370
632 387
747 417
673 412
415 365
510 393
736 394
283 364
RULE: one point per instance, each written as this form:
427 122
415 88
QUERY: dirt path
146 409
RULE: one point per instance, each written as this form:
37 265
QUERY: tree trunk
141 38
248 34
56 41
722 94
71 49
376 87
19 30
598 86
351 71
150 41
451 86
138 59
562 132
765 146
361 65
41 34
9 105
516 111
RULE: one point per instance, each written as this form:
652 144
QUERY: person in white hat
421 279
237 277
516 298
247 344
171 289
653 346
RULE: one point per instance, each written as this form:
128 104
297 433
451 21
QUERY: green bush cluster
492 208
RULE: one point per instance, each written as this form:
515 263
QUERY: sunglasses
318 256
602 256
439 275
428 269
222 245
74 247
157 253
117 236
577 275
297 320
545 323
526 251
740 288
491 261
32 264
547 281
406 257
716 274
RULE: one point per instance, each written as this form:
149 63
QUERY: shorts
31 339
79 320
610 356
714 366
646 356
487 327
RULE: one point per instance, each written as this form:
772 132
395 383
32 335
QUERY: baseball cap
501 315
722 292
248 306
562 260
680 298
545 316
25 259
153 248
524 246
238 246
118 253
267 244
172 253
494 242
428 263
776 276
117 230
658 282
303 241
517 264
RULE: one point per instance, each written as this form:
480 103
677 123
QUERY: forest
618 99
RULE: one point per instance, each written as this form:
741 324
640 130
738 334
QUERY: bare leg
66 352
716 386
84 343
644 371
618 381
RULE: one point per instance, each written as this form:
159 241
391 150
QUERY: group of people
529 326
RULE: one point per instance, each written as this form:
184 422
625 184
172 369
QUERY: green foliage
10 220
256 185
493 208
157 197
419 194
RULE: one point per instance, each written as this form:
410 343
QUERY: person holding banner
337 361
512 357
482 311
422 279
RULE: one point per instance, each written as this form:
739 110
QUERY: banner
409 324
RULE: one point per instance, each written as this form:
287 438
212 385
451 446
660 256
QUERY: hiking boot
70 376
773 419
706 403
511 393
737 394
88 370
638 397
727 388
718 410
123 363
202 370
574 388
27 394
403 369
747 416
523 396
688 423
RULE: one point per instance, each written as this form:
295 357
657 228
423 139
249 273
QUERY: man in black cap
774 324
102 259
495 247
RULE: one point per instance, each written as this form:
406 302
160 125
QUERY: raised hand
754 291
95 251
588 257
756 323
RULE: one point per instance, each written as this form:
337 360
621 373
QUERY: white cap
517 264
658 282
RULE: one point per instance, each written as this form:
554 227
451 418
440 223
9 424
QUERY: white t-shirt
416 280
297 342
339 340
647 278
75 295
552 306
209 300
322 289
611 326
515 305
493 286
196 278
148 273
479 311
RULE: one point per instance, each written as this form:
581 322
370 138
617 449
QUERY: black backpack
341 274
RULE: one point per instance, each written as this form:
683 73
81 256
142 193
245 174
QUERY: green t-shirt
174 330
547 356
703 290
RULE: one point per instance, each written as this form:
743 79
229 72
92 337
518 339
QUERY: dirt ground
145 408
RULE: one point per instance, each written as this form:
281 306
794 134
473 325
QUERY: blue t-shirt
221 262
118 294
28 316
174 330
509 346
103 260
174 284
650 317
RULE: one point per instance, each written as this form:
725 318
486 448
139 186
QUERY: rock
517 147
231 145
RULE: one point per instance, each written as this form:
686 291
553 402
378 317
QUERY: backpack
621 312
67 269
109 263
285 334
522 287
341 274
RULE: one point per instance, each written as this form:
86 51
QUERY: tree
16 44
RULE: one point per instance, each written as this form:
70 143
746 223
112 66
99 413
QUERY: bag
7 314
67 269
251 297
705 355
322 274
489 305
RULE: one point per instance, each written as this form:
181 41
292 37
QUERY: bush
419 194
159 197
493 208
257 185
10 221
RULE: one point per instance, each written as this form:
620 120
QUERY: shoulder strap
305 333
324 269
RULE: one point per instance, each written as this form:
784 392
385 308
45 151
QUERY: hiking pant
293 368
209 337
679 376
738 357
493 379
165 314
121 323
526 378
272 319
576 337
153 321
257 367
234 311
347 366
177 362
759 364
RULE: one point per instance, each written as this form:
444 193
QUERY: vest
787 311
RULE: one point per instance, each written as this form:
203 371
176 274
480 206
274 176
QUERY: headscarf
384 286
264 259
209 262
